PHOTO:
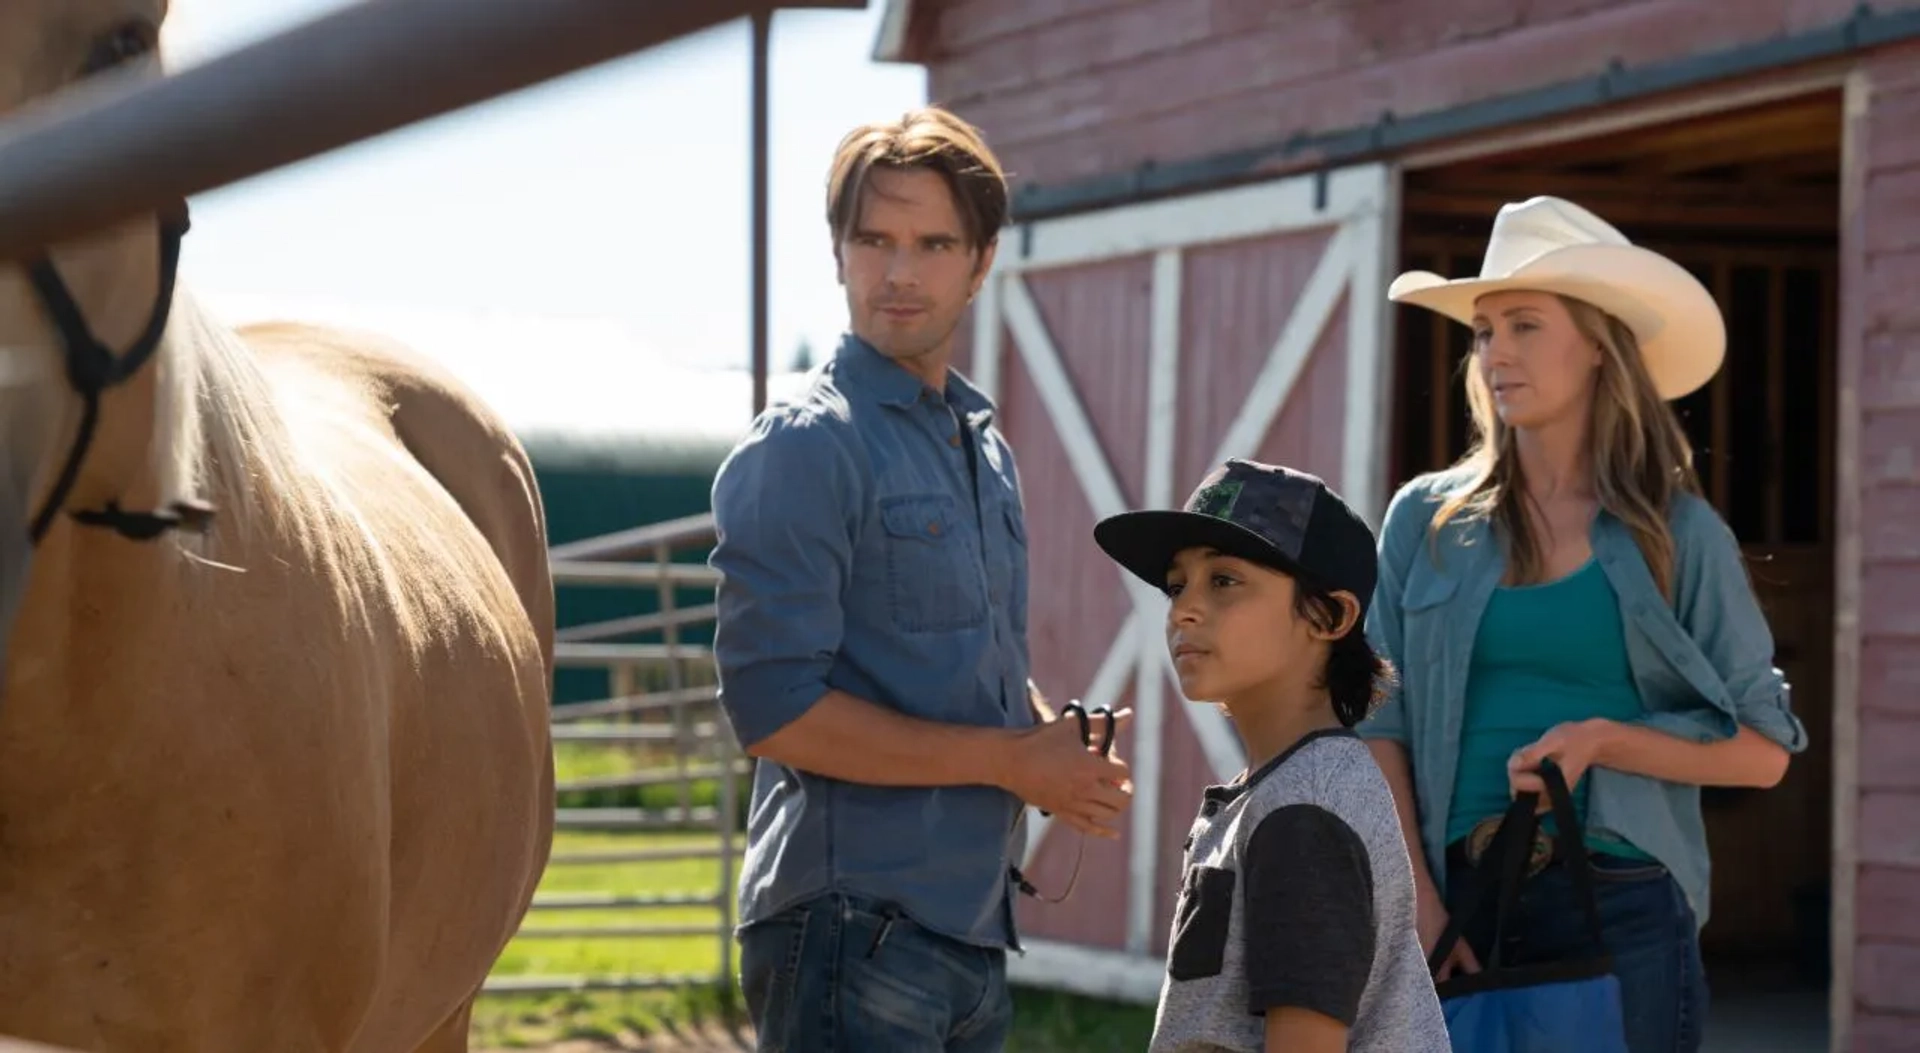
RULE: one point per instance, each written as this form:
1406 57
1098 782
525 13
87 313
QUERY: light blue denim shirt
856 554
1703 664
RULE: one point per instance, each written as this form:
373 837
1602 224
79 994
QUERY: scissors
1084 716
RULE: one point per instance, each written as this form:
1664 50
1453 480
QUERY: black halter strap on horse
92 368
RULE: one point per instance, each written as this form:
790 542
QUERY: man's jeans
843 974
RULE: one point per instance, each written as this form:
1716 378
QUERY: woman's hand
1431 919
1573 746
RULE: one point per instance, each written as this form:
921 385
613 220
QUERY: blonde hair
1640 455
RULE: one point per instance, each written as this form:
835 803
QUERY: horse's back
418 409
454 435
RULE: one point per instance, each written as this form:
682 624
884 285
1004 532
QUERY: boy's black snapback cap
1266 513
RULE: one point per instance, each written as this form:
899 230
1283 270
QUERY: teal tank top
1544 655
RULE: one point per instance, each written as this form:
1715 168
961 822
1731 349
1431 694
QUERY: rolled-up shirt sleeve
1714 600
785 510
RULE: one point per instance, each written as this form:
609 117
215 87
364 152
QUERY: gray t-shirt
1297 891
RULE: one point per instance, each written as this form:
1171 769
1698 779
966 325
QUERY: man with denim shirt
871 639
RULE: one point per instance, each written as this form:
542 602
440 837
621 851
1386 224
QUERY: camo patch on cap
1217 500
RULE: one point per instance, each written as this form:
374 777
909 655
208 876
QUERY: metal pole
762 42
125 146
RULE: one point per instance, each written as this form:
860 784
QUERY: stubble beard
928 342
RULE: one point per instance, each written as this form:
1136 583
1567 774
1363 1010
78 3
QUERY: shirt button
954 440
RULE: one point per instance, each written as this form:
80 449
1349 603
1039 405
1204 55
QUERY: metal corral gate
123 145
662 695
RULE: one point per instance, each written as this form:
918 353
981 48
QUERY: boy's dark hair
1291 522
1357 679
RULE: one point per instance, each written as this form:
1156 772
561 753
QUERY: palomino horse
275 772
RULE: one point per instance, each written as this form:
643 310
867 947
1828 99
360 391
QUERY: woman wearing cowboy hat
1564 592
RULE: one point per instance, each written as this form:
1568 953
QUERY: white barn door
1130 350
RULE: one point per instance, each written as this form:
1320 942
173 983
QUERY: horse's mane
218 434
222 435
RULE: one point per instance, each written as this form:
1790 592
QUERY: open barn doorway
1749 200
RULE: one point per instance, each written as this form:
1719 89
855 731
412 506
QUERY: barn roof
626 453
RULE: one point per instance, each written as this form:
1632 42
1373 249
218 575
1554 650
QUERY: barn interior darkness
1749 201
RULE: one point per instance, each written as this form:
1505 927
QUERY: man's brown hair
930 138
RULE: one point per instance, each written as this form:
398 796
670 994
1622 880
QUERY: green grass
1044 1022
581 956
530 1021
1051 1022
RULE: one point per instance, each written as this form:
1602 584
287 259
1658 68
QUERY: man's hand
1573 746
1048 767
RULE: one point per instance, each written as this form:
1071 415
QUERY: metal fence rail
121 146
661 697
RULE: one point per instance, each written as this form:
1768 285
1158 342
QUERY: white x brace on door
1215 272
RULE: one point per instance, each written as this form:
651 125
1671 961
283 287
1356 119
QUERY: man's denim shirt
1703 664
854 555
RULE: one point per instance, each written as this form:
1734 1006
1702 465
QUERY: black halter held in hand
92 368
1080 713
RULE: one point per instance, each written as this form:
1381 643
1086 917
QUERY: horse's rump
288 786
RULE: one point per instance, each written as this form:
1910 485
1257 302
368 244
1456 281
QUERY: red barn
1211 198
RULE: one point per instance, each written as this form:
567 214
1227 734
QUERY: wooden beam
1549 136
989 331
1848 527
1276 206
1150 681
1312 311
890 44
1798 212
1525 182
1752 159
1800 118
1366 445
1816 116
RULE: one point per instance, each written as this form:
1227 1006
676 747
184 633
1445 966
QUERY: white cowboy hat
1545 244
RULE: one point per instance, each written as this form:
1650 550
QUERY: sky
565 245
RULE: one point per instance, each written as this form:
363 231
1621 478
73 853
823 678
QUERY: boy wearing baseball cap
1295 924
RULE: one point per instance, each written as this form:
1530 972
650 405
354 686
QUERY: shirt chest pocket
1202 920
934 578
1426 613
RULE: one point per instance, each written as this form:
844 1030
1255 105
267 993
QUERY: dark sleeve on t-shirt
1309 913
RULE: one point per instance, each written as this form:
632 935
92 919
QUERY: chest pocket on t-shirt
1200 923
934 581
